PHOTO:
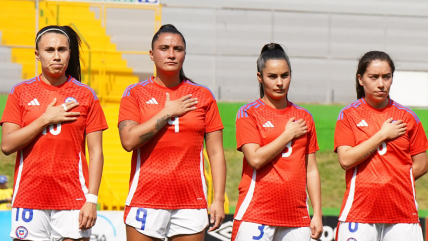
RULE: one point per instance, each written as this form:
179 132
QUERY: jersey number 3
54 129
289 150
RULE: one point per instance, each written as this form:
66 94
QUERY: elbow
256 164
6 149
345 165
127 147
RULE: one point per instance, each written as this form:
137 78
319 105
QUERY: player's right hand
57 114
180 106
393 129
296 127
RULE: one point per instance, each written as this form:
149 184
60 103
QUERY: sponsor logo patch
21 232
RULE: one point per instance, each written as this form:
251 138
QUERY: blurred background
324 39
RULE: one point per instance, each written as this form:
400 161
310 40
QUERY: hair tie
52 29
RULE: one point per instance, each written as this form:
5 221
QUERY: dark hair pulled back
169 28
73 68
269 52
364 62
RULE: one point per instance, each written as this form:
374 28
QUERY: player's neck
167 79
277 104
53 80
377 104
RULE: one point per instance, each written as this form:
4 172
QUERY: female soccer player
279 142
382 146
164 121
46 120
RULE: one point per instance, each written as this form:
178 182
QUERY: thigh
402 231
65 225
292 234
147 221
133 235
187 222
357 231
252 231
30 224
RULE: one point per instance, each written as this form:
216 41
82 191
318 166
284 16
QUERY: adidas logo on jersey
34 102
268 124
363 123
152 101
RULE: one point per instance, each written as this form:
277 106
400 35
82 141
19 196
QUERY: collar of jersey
376 109
279 111
168 88
51 87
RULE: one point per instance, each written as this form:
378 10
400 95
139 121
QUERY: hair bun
272 46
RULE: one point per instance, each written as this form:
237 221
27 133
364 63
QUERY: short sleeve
312 144
247 132
96 121
129 109
418 140
12 112
343 134
212 118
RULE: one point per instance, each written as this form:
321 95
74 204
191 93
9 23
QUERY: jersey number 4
289 150
54 129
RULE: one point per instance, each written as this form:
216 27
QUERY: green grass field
332 175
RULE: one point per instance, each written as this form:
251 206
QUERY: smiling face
376 81
168 53
53 53
275 78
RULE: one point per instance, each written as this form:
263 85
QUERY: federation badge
21 232
70 99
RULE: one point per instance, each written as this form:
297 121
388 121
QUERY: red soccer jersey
276 193
51 172
167 172
380 189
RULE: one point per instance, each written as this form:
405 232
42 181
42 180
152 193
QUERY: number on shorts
53 131
25 213
289 150
353 230
175 123
143 218
262 232
383 150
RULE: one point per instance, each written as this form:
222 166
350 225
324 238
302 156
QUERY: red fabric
279 197
49 178
170 175
383 183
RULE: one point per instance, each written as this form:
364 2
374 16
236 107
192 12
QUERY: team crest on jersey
351 239
21 232
70 99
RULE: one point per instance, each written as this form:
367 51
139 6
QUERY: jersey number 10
51 129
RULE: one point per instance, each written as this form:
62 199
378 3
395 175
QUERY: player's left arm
88 213
420 165
314 190
214 143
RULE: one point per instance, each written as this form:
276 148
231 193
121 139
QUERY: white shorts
45 225
379 232
165 223
254 231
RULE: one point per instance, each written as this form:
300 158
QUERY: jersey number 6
382 149
52 129
175 123
289 150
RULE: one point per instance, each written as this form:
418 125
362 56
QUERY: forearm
96 164
215 151
420 165
134 135
15 139
355 155
314 191
264 154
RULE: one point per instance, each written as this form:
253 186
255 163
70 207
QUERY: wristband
92 198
